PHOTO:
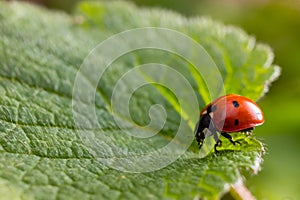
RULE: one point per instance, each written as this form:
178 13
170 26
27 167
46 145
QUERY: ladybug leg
214 130
218 144
226 135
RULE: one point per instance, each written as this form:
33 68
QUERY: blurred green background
277 23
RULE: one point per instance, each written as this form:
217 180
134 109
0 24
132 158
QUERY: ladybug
227 114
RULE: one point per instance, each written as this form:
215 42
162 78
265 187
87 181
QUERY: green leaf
53 147
246 67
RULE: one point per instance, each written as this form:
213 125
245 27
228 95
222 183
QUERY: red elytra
226 114
233 113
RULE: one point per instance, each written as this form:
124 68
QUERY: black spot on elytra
236 122
214 108
235 104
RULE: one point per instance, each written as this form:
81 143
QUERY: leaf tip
274 76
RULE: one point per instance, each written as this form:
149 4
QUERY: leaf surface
45 154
